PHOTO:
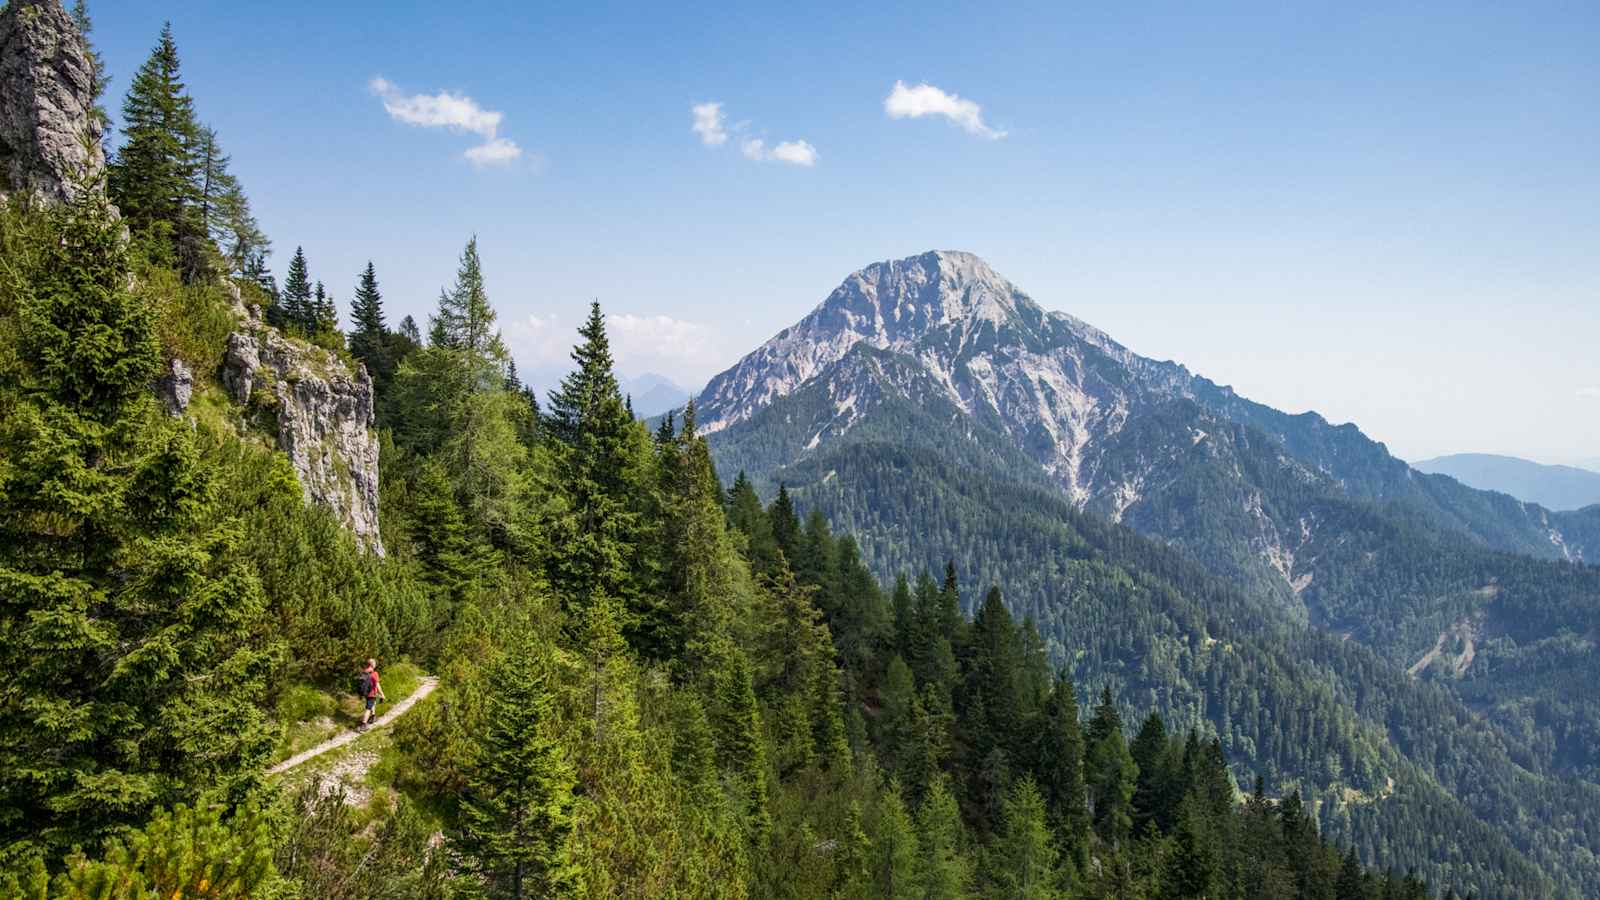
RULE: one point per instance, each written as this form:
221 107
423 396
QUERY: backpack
363 685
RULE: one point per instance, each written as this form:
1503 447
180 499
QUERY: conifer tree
369 337
1152 789
153 178
896 855
1022 863
785 523
97 63
944 871
294 309
598 461
126 603
736 720
1058 771
517 825
1110 773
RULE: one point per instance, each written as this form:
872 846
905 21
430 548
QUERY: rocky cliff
49 133
321 414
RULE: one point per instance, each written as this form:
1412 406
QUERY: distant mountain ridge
654 394
1551 486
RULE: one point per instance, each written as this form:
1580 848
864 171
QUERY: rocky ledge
324 418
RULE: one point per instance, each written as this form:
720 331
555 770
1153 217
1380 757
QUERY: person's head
372 663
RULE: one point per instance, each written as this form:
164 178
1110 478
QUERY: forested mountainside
917 380
649 685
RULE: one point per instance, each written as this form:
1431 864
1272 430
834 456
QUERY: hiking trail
424 688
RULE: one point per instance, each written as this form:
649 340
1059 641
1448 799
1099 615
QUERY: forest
651 683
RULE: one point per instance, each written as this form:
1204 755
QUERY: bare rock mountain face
323 417
48 132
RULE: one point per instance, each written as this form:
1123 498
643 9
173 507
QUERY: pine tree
1352 883
736 721
324 315
153 179
1022 863
126 601
1151 790
517 825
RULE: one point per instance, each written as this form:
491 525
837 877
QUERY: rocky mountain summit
49 133
940 342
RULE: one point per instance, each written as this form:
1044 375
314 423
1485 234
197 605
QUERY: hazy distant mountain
1553 487
654 394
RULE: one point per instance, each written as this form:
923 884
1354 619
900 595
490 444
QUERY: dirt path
424 688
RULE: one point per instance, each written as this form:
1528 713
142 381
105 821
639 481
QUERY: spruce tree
369 337
598 460
294 309
132 653
517 826
1058 771
153 178
1110 773
785 523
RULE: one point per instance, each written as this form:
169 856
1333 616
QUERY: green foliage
131 636
181 852
517 824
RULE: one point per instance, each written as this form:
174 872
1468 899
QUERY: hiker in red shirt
372 691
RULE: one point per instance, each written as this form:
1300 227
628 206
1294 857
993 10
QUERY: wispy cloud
709 123
1589 393
456 112
683 350
798 153
926 100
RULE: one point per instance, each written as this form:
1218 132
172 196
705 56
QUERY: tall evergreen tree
1110 773
1058 770
1022 863
294 309
599 462
153 178
369 336
945 871
126 602
517 824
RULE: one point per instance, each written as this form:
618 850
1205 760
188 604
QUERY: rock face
324 421
48 130
176 387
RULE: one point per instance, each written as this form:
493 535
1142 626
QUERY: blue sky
1388 213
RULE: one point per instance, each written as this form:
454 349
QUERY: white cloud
926 100
497 151
456 112
709 124
1589 393
687 352
799 153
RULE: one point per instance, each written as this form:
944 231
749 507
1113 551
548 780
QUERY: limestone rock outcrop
324 418
48 130
176 387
